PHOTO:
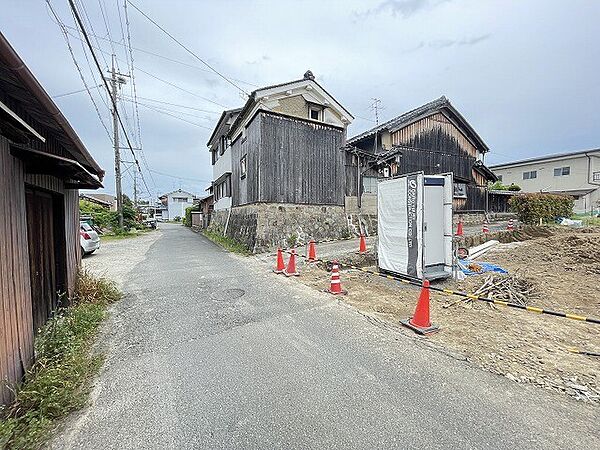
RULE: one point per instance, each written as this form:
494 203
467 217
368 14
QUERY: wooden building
283 165
42 165
434 138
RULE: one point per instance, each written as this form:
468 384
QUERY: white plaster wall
222 203
223 164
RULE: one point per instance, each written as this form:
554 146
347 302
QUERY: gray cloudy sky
525 74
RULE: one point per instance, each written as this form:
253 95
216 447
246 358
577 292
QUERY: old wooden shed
43 163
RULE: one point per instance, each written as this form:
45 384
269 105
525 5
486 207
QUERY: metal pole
114 84
135 201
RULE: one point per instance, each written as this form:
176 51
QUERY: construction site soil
558 268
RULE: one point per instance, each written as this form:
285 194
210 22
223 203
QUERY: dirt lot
562 266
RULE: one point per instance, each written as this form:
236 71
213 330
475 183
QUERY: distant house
95 200
576 174
434 138
43 164
173 204
282 170
103 198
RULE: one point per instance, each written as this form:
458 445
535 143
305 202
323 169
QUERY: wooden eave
70 171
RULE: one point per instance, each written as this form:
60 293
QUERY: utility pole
135 201
115 83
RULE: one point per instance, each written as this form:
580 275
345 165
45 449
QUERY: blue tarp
485 267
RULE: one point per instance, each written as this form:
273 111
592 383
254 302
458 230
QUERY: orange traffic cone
362 246
312 251
335 286
510 226
280 267
291 267
459 229
420 321
485 228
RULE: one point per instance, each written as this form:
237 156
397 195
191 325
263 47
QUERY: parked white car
88 239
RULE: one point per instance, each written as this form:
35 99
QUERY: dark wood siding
246 190
16 305
16 326
434 145
298 162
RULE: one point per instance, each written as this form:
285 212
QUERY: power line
157 55
137 114
85 55
86 87
191 114
175 104
73 92
91 27
179 177
174 116
165 81
186 48
113 100
181 89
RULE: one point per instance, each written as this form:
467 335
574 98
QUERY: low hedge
530 208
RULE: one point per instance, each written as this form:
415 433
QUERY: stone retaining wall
265 226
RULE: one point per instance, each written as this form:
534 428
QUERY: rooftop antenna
376 107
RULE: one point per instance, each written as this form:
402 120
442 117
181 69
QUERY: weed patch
226 242
59 380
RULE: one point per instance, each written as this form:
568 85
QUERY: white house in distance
174 204
576 174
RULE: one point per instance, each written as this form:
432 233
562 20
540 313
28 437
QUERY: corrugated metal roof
544 158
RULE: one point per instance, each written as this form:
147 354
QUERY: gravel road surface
211 350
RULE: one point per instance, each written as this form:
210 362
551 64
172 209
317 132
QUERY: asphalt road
211 350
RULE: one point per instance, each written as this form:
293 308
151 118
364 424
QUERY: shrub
530 208
187 220
102 217
497 186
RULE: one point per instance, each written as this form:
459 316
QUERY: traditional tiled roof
412 116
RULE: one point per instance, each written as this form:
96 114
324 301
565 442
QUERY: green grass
59 380
587 219
107 237
226 242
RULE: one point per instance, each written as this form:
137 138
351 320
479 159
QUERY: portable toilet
414 223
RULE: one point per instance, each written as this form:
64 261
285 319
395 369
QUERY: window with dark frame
314 113
530 175
222 145
499 178
562 171
243 166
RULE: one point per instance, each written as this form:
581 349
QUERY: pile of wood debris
510 288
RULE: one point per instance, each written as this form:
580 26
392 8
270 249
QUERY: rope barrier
582 352
450 292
